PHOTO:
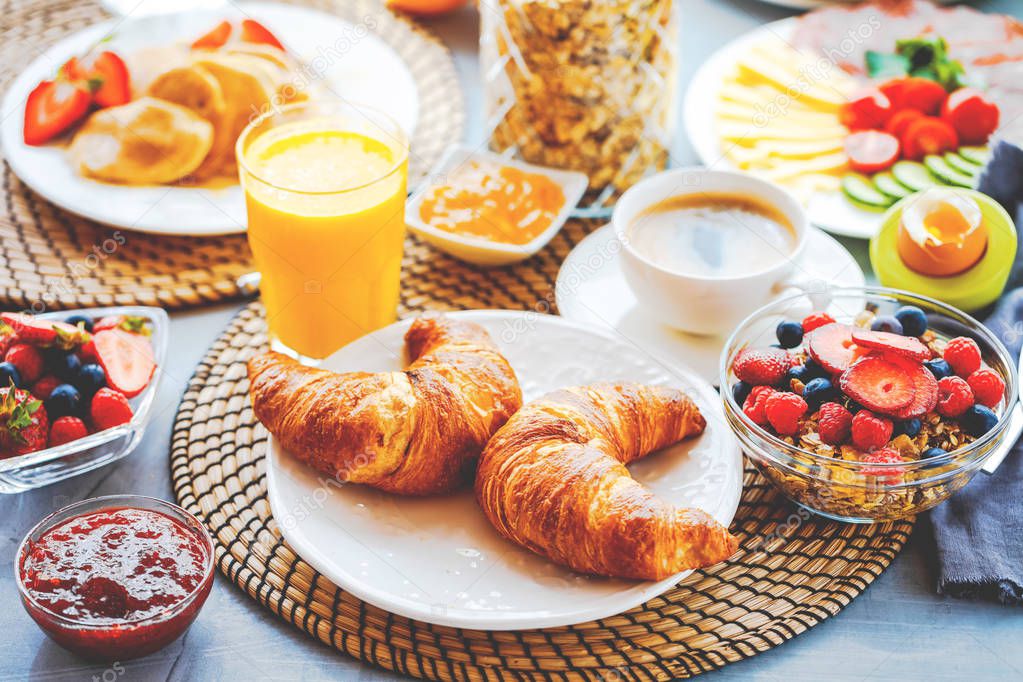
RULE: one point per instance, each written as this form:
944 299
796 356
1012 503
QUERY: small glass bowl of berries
76 388
866 404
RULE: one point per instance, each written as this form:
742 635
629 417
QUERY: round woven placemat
51 259
792 571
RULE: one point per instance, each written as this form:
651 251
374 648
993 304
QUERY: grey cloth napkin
978 533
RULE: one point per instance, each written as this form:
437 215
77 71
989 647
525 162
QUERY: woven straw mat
51 259
803 573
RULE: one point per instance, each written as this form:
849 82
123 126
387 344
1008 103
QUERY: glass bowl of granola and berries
866 404
76 389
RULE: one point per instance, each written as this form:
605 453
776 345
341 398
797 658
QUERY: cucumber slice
861 190
946 173
962 165
887 184
977 155
914 175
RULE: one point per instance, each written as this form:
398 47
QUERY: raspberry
754 405
759 367
814 320
66 429
835 422
988 387
963 354
109 409
44 387
27 359
870 431
954 397
783 411
890 475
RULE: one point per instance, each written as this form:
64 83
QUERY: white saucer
591 289
438 559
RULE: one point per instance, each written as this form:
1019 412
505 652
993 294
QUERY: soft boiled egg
942 233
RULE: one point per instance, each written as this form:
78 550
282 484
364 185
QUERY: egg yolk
951 243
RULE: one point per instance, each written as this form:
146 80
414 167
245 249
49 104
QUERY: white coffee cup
695 303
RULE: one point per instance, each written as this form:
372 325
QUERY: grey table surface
899 629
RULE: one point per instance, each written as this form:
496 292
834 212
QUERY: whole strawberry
835 423
24 427
762 366
27 359
815 320
109 409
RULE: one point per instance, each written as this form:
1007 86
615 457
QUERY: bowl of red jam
117 577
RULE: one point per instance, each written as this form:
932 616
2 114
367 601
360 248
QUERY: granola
583 85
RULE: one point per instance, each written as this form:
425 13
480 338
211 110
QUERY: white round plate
814 4
592 289
342 59
829 211
438 559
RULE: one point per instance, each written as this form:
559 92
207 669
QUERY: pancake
147 141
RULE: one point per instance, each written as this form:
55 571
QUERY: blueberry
66 366
932 453
800 373
818 391
90 379
75 320
978 420
64 400
815 369
910 427
913 320
9 373
740 391
939 368
886 323
790 334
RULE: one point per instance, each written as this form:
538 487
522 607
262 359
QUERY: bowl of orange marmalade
488 210
117 577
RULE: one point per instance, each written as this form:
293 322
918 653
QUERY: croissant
416 432
553 480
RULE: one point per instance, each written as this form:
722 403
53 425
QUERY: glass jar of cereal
585 85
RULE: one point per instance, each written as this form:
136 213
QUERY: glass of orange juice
325 186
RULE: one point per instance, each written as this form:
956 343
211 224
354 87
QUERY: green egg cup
970 290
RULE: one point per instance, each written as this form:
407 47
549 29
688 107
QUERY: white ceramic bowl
484 251
696 303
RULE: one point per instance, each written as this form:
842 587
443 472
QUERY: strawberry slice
255 32
126 358
52 108
106 75
904 346
879 384
833 347
217 37
39 332
925 393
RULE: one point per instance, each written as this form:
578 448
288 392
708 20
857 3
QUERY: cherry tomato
928 135
900 120
867 109
871 151
973 116
912 92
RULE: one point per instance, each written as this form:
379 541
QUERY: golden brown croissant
416 432
553 479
